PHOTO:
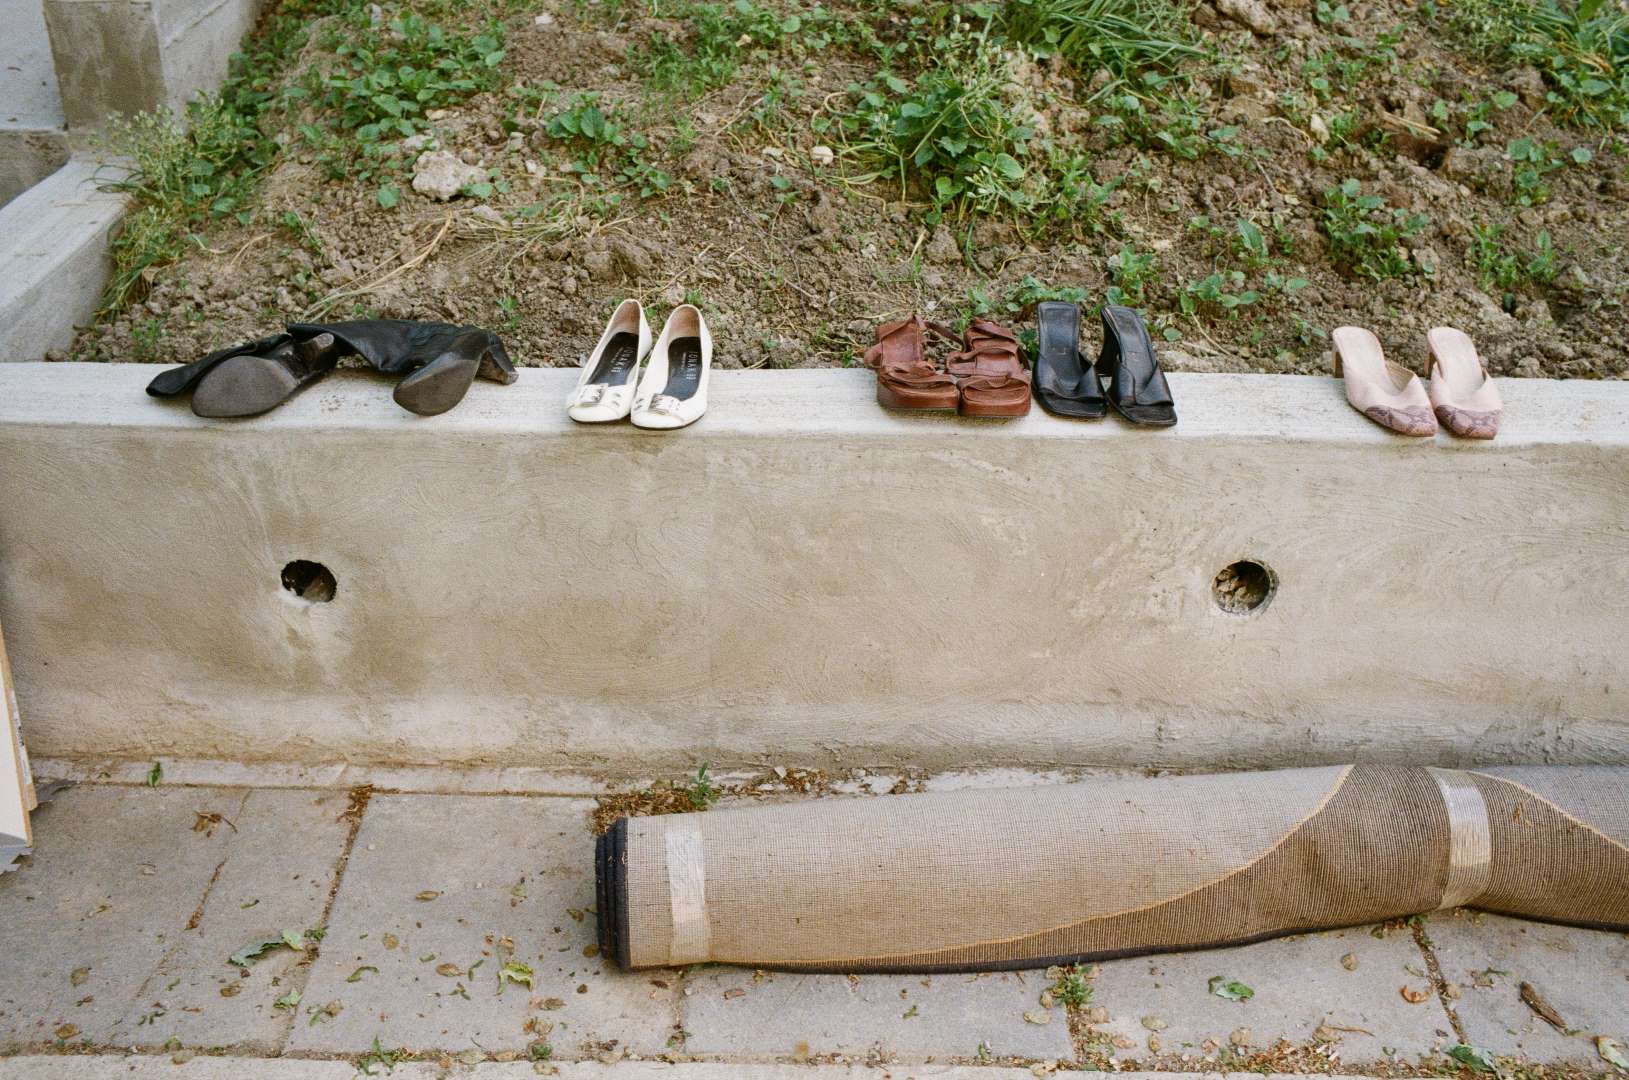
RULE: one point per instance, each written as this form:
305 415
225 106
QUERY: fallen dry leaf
78 976
1535 1001
1413 996
734 992
427 894
67 1031
553 1003
1038 1016
391 941
231 990
1349 961
449 970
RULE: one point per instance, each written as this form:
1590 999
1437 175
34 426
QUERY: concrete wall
124 56
33 142
804 577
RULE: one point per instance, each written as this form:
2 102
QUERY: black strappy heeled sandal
1066 383
1137 387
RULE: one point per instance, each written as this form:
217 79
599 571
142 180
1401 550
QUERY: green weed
387 77
1072 988
1121 36
183 173
1581 49
701 790
1131 272
1365 234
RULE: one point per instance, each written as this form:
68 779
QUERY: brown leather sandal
990 372
906 378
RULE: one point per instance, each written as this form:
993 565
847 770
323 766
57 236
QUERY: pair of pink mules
1462 397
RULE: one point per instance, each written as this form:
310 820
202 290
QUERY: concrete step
54 247
804 574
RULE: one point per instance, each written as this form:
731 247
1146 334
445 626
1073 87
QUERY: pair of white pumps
672 392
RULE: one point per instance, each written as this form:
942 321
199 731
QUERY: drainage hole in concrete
1244 587
310 581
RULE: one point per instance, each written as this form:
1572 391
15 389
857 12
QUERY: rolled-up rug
980 880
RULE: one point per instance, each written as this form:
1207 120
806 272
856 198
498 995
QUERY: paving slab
500 877
736 1011
1299 982
240 1068
284 851
115 876
1583 974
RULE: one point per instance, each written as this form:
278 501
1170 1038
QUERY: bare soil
795 263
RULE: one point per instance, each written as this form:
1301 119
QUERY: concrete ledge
804 577
54 246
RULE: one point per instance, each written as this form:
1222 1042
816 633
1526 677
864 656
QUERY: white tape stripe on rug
1470 838
687 888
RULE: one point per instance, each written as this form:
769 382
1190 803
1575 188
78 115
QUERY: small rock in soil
440 175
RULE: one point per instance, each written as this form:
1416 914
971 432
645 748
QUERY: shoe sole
438 385
888 399
995 412
243 386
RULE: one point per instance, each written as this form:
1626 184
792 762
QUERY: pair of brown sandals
986 377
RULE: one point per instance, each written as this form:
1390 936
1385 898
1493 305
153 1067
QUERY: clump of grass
182 172
1072 988
951 134
1365 234
1121 36
1581 48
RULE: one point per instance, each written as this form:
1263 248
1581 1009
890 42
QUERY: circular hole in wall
310 581
1244 587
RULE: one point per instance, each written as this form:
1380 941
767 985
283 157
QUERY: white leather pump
673 391
605 390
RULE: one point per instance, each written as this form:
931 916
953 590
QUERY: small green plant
951 134
1215 291
1131 272
378 1055
1365 234
701 790
720 36
1072 988
608 152
387 77
1251 243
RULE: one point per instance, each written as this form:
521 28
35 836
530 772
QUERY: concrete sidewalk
408 898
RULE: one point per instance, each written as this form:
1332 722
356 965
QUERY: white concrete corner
54 242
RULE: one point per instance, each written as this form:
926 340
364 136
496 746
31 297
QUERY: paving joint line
354 812
198 912
1438 982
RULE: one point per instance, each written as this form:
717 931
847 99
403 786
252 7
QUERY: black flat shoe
1137 387
1065 383
248 384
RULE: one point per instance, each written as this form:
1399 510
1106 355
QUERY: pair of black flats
1067 384
438 362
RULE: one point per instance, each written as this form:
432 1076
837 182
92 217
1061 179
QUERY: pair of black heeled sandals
1067 384
439 361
